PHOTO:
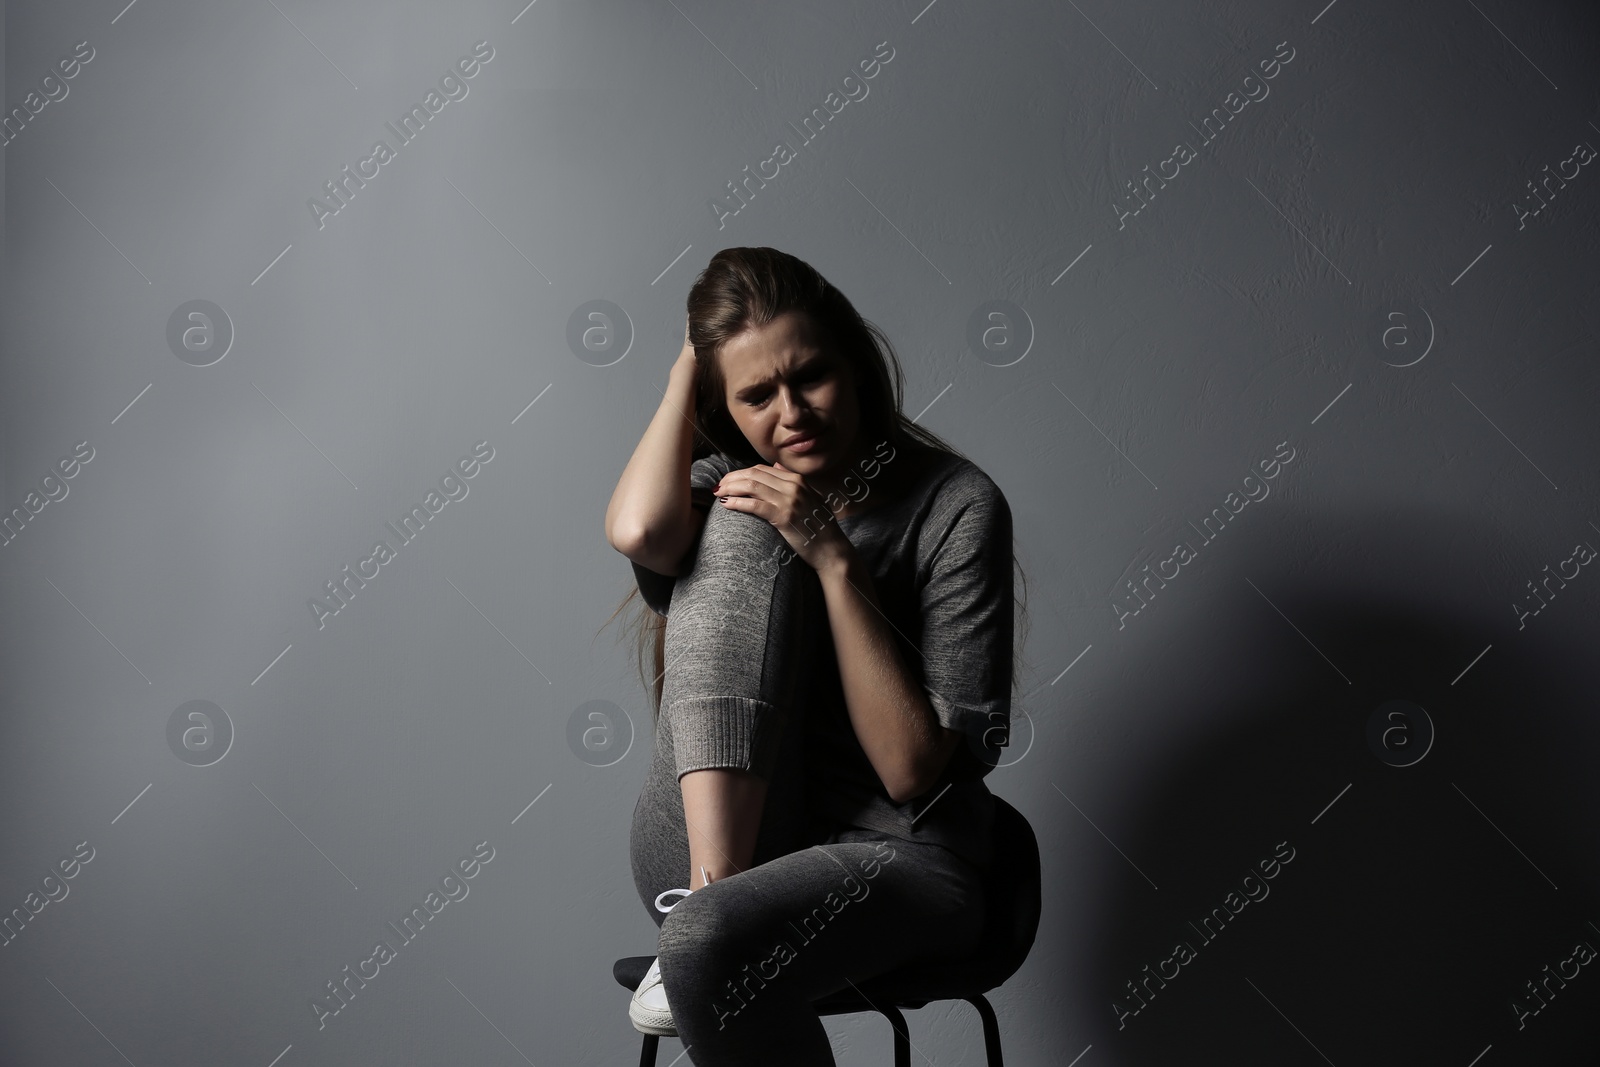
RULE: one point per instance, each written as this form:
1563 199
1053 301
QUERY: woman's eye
809 378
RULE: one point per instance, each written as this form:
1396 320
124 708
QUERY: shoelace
681 893
668 907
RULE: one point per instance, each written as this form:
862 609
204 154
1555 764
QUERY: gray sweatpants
823 905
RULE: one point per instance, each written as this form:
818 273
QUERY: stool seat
1011 922
912 986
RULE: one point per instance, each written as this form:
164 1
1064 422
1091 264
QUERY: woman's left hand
783 498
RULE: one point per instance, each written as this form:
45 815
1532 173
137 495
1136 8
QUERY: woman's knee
743 542
742 620
700 938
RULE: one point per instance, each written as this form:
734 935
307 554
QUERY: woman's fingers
776 477
749 479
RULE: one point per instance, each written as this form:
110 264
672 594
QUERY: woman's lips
802 447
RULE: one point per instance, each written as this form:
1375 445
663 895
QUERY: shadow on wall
1323 888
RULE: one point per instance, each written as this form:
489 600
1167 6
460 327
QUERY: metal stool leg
991 1029
647 1054
902 1035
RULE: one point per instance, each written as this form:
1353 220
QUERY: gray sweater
940 559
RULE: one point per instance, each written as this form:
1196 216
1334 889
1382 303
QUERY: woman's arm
650 519
897 728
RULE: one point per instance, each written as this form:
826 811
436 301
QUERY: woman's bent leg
743 959
741 633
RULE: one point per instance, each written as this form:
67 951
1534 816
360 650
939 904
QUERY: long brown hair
745 288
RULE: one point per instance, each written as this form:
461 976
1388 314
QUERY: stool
1011 921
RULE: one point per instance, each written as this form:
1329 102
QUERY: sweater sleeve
967 624
727 733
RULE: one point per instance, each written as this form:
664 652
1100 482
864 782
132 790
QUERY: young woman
829 589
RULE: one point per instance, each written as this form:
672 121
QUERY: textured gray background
1341 269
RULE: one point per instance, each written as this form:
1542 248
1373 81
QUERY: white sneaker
649 1010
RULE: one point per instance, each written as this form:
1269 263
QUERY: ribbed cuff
726 732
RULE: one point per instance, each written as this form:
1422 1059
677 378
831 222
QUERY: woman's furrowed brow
755 387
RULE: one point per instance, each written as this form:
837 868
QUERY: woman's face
780 385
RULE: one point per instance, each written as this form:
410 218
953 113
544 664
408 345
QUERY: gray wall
1350 270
